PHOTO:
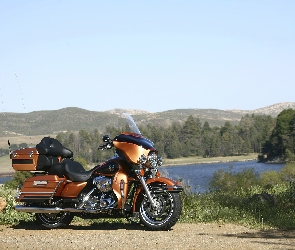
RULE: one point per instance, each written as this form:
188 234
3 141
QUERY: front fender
163 182
166 184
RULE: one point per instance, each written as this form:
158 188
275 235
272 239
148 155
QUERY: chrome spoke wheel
163 213
54 220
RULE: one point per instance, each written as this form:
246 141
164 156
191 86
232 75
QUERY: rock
2 204
263 199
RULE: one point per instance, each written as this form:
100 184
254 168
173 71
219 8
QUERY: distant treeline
261 134
267 136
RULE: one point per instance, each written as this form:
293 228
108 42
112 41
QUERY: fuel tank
110 167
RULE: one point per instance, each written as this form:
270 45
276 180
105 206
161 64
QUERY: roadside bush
253 207
269 179
287 173
8 214
18 179
246 198
229 181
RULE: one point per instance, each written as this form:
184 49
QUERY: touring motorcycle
127 185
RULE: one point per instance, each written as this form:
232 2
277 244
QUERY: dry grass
30 140
197 159
5 165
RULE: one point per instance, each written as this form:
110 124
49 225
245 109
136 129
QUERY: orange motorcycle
127 185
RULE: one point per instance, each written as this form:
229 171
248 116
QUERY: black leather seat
74 171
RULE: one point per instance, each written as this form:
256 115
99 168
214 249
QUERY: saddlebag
41 188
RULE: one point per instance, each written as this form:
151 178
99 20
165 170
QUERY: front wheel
164 213
54 220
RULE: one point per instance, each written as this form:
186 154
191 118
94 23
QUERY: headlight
150 161
153 159
142 160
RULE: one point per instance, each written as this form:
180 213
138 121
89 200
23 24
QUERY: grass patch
241 207
199 160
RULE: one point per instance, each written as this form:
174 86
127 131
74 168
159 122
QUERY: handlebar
109 143
105 146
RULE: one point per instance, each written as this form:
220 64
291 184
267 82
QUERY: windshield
131 124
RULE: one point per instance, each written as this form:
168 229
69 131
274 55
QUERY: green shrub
287 173
18 179
229 181
252 207
246 198
9 215
269 179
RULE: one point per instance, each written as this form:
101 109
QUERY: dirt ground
129 236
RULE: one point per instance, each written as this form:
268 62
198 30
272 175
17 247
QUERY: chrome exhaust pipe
50 210
56 210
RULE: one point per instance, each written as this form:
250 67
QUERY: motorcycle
128 185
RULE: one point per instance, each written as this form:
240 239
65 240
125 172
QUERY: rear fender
159 182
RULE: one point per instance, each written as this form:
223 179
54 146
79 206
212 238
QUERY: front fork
146 189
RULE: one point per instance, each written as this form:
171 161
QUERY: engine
103 184
101 197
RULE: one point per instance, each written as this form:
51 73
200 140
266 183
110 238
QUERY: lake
198 175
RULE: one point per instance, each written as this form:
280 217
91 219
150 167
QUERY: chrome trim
40 183
86 198
175 188
36 193
54 191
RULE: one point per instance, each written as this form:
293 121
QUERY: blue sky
147 55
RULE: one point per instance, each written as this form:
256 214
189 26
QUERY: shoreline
6 174
200 160
205 162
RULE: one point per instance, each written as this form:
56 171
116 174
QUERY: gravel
129 236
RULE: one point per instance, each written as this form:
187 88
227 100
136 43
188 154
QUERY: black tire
54 220
165 214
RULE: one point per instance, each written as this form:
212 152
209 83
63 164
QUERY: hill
74 119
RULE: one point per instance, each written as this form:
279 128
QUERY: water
198 176
4 179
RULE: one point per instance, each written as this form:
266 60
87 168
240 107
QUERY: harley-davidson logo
40 183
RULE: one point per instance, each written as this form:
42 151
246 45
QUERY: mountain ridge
74 118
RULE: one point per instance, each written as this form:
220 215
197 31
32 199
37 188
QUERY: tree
172 145
281 137
226 134
206 140
292 135
191 136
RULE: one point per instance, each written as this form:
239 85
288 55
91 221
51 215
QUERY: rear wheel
164 213
54 220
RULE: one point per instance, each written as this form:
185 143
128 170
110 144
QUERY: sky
146 55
